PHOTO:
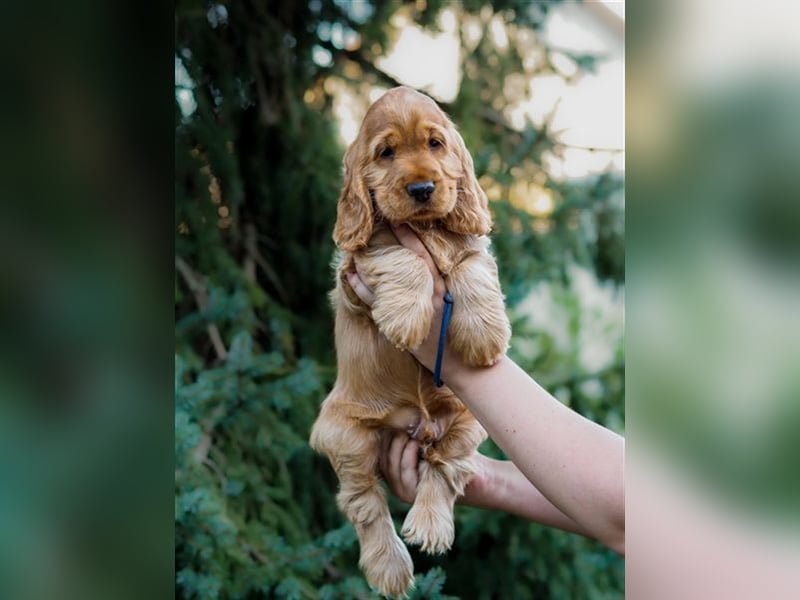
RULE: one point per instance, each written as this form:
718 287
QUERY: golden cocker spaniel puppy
407 165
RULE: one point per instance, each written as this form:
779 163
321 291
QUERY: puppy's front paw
481 342
429 526
388 568
404 326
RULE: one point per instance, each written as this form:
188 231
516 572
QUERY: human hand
399 464
426 352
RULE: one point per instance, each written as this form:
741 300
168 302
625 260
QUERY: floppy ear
471 214
354 212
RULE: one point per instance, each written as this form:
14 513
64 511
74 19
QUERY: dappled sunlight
584 111
424 60
531 197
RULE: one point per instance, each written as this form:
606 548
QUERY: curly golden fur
406 139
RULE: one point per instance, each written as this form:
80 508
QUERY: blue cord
448 310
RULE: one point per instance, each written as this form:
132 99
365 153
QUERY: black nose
421 191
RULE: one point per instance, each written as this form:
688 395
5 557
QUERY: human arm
575 464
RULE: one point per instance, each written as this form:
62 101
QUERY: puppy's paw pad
428 529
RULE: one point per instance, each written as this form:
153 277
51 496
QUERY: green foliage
257 177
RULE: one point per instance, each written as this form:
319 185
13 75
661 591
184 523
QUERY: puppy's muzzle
421 191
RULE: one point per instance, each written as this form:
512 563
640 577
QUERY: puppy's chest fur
449 249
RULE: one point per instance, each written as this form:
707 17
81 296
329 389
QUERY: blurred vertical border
713 313
86 420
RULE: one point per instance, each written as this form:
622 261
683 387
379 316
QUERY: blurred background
713 271
267 98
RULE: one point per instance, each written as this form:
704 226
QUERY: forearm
500 485
576 464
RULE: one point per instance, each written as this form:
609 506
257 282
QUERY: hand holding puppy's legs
443 475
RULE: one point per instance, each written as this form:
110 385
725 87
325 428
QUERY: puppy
407 165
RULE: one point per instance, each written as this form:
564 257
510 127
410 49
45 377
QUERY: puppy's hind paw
430 529
390 570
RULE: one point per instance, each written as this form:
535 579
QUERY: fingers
399 464
361 290
409 474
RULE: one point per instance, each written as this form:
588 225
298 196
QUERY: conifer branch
197 286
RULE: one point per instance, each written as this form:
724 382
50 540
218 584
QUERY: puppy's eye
387 153
433 144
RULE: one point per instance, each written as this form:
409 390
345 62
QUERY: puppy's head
410 164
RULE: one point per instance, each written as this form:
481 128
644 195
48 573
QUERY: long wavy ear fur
471 214
354 212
